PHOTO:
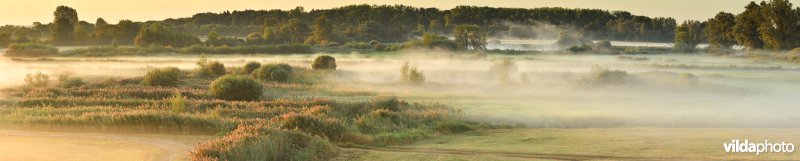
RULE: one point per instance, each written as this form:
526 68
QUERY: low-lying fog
543 91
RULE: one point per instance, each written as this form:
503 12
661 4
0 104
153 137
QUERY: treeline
773 25
362 23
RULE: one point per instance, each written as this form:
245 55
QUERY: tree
157 34
688 35
779 30
470 37
62 31
322 32
434 26
745 28
67 13
100 22
719 32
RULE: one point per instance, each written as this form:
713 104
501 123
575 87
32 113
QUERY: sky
25 12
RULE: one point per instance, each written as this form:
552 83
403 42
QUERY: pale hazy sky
25 12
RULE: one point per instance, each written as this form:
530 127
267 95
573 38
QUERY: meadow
364 110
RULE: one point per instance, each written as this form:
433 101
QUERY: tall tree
66 12
719 32
779 30
63 27
470 37
745 28
100 22
62 31
322 32
688 35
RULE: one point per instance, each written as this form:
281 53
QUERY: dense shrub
215 68
169 76
324 62
30 49
37 80
260 142
250 49
236 88
65 81
314 125
411 75
273 72
250 67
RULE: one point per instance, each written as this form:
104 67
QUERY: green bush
411 75
236 88
324 62
273 72
37 80
65 81
30 49
251 66
260 142
169 76
215 68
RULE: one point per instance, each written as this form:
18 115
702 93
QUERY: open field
629 107
28 145
588 144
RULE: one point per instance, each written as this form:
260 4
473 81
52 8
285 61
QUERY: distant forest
767 25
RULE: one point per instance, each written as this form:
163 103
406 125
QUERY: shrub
236 88
37 80
30 49
330 128
448 127
215 68
260 142
273 72
324 62
169 76
65 81
250 67
411 75
503 70
177 103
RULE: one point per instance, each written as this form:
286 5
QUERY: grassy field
586 144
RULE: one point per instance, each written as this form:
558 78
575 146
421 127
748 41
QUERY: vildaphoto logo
752 147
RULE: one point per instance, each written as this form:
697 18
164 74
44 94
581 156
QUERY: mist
544 90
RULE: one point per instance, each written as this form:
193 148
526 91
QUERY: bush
37 80
65 81
169 76
330 128
215 68
260 142
236 88
411 75
448 127
177 103
273 72
250 67
30 49
324 62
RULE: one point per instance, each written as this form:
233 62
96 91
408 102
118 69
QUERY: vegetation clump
65 81
31 50
37 80
236 88
324 62
273 72
170 76
411 75
262 142
250 67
